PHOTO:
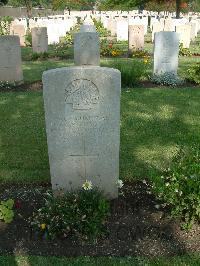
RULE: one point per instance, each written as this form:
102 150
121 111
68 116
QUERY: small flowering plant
109 48
179 186
87 185
120 183
81 214
141 54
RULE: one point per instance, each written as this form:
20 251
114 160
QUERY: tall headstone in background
39 40
82 111
168 25
184 32
135 37
157 27
122 30
193 33
86 47
88 26
10 59
166 50
20 30
112 26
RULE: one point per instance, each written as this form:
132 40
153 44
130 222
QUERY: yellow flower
146 61
87 185
114 53
43 226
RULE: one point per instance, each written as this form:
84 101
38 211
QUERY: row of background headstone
57 26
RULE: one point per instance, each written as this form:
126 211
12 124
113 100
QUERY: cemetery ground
155 122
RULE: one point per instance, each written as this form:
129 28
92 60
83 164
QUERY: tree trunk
178 8
28 4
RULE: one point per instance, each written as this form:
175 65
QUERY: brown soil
138 225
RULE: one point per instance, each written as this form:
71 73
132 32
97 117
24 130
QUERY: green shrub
109 48
103 32
179 185
167 79
194 73
184 51
6 85
28 38
132 71
140 54
67 39
5 25
80 214
39 56
6 211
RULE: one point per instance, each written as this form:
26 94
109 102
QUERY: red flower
18 204
110 45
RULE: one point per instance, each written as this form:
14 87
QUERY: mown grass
153 122
188 260
33 69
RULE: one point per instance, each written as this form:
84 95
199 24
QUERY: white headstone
184 32
20 30
122 30
10 58
135 37
166 50
39 40
82 112
86 48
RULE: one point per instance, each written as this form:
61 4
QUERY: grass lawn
192 260
153 122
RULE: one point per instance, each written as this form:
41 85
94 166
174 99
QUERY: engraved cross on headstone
85 156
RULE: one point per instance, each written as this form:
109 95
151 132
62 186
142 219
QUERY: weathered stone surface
10 59
193 33
169 25
135 37
112 26
184 32
82 110
166 51
87 28
39 40
157 27
20 30
86 48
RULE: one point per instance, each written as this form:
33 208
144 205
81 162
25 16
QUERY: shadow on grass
154 122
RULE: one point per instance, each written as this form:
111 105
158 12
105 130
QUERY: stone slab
82 112
10 59
166 50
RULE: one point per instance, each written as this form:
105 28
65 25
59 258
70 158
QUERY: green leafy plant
109 48
5 25
61 50
179 185
28 38
81 214
103 32
132 71
184 51
6 85
140 54
167 79
6 211
39 56
194 73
